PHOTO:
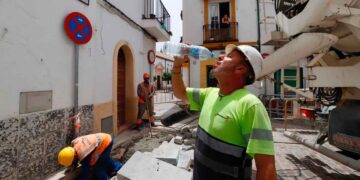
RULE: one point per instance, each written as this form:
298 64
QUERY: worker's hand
179 60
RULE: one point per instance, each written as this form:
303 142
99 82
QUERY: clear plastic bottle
180 49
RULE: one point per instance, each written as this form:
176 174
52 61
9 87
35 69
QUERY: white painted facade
163 63
166 61
193 20
246 16
37 55
194 73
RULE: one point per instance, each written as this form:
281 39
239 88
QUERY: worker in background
145 92
90 151
233 125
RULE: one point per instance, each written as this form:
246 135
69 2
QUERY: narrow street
293 160
99 89
296 161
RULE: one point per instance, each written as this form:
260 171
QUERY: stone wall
30 142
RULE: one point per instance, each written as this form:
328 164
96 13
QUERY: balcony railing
155 9
220 32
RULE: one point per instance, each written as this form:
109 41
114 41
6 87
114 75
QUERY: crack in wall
5 31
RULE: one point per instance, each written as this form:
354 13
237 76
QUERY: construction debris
167 152
151 169
171 152
179 140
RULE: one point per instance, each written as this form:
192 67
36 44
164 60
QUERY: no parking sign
78 27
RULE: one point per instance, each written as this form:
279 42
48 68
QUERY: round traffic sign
151 56
78 28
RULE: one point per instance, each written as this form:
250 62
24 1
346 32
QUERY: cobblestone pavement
296 161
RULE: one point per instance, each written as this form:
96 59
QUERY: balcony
219 33
156 20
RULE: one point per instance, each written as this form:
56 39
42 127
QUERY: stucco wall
30 143
36 54
193 21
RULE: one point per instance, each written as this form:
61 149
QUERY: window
217 11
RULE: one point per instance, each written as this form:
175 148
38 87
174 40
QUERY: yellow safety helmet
66 156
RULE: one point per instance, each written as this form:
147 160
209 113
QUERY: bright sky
174 7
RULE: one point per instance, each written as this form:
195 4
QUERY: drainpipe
259 34
258 25
76 88
76 79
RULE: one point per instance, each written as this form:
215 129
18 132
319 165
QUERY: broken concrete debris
173 156
151 169
184 159
193 133
167 152
169 137
178 140
189 142
184 130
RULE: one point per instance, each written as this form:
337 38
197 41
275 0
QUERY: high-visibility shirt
144 91
232 129
96 143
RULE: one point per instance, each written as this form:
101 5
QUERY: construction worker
233 125
90 151
145 92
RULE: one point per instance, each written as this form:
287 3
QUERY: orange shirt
84 145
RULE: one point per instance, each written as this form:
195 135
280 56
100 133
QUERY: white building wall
132 8
159 60
193 21
247 20
36 54
194 73
267 19
246 16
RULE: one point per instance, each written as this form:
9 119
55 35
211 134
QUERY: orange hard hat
146 75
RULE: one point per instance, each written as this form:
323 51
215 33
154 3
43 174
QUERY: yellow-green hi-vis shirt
239 118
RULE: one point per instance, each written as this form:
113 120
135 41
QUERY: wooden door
121 77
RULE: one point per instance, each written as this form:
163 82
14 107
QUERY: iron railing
217 32
165 96
155 9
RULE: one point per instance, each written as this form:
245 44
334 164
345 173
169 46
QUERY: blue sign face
78 28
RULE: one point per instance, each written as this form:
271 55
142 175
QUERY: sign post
78 28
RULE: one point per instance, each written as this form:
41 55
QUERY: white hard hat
252 55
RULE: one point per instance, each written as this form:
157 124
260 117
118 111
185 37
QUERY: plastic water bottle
179 49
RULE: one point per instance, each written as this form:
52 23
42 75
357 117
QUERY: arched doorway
124 96
120 96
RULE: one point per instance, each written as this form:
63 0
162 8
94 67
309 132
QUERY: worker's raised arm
177 81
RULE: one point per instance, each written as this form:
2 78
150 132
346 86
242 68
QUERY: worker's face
146 80
230 65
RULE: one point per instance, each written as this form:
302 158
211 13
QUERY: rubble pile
174 155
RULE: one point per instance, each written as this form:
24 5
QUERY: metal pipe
76 79
304 45
76 91
285 112
331 154
258 25
270 106
298 92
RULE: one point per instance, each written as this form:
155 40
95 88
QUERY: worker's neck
228 87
